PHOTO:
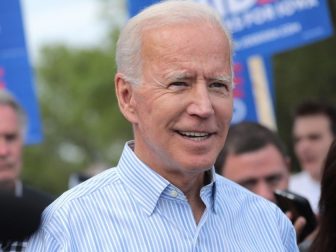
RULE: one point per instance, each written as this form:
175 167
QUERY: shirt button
174 193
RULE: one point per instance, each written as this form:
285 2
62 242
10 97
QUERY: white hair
6 99
128 52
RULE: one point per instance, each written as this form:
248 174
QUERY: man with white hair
16 193
174 84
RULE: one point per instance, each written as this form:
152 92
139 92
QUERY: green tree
307 72
81 120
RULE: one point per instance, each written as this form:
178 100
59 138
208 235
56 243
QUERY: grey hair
128 52
6 99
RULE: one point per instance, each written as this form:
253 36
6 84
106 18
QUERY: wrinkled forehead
309 124
187 29
186 42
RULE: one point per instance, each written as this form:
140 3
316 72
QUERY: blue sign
271 26
135 6
253 92
15 70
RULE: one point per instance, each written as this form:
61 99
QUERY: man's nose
303 144
201 103
4 148
264 190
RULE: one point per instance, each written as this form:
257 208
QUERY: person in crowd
12 132
256 158
174 85
314 128
325 239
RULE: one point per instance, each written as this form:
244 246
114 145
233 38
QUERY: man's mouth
5 166
196 136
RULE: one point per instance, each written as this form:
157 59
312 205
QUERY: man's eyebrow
275 175
247 181
314 135
222 78
185 75
178 75
188 75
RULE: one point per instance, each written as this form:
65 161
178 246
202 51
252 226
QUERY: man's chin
7 183
313 170
200 167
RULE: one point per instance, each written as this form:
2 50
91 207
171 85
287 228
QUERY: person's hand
299 223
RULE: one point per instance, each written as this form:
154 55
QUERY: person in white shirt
259 162
314 129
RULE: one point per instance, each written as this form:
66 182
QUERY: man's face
312 139
261 171
10 145
183 105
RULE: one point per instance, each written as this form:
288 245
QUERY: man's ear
125 95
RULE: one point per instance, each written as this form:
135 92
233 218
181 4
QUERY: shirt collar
209 192
18 188
148 186
144 183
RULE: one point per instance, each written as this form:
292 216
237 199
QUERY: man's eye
314 137
178 85
220 87
11 137
274 180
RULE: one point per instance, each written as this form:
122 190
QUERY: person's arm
287 231
43 241
299 223
53 234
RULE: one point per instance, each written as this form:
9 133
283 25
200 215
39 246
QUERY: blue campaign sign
253 92
135 6
15 70
243 106
271 26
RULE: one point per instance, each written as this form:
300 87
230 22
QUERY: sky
71 22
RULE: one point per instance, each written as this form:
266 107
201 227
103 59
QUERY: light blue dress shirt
132 208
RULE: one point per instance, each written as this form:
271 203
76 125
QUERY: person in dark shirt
20 203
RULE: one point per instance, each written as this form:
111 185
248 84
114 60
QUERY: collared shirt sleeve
43 241
287 231
52 236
